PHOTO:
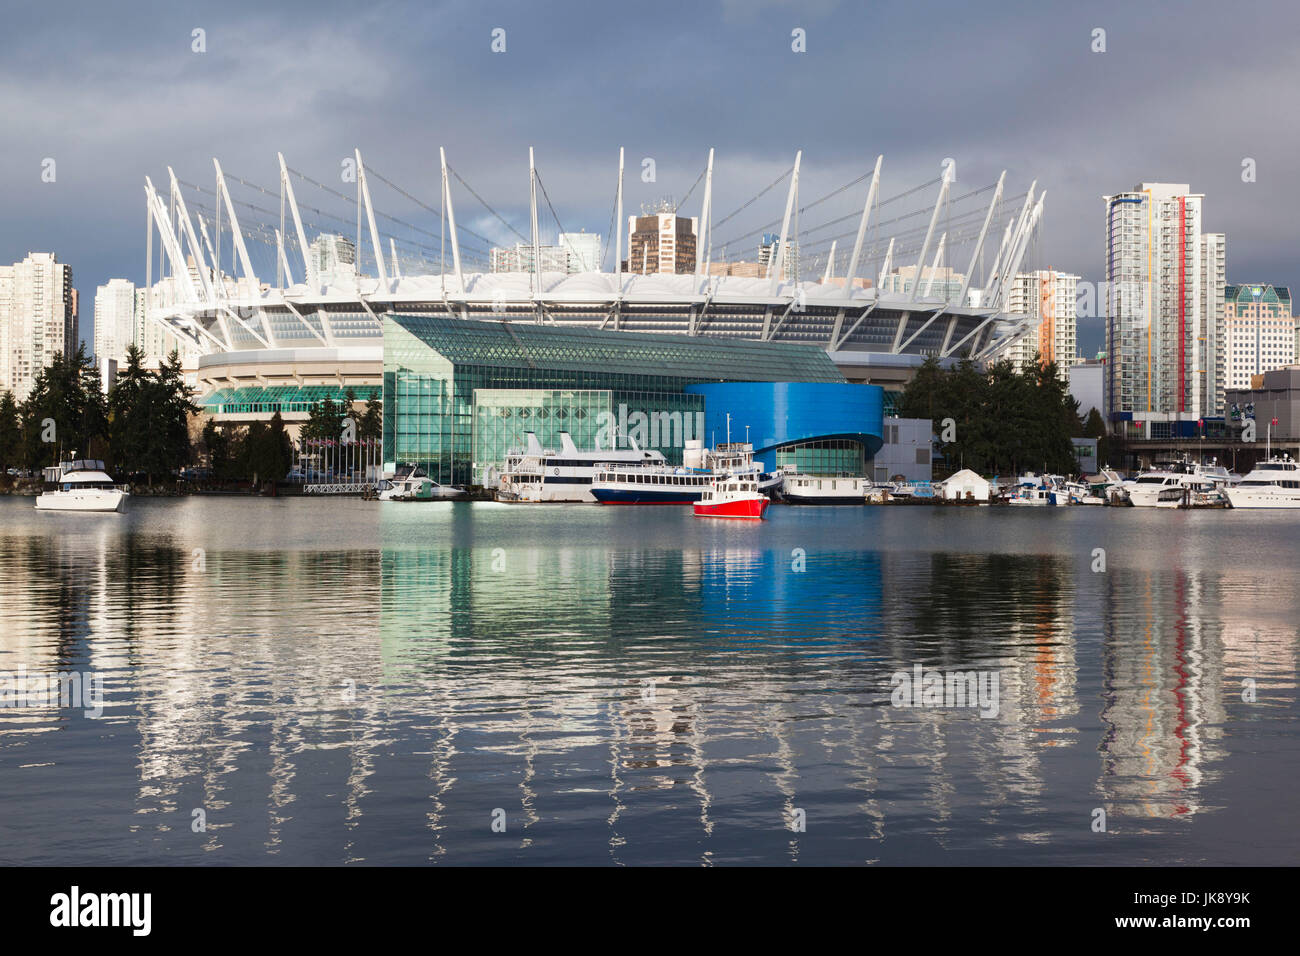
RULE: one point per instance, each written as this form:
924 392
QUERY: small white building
964 484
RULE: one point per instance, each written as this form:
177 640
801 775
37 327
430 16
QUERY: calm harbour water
348 682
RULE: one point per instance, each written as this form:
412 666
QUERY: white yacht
413 484
1274 483
538 474
1176 481
82 485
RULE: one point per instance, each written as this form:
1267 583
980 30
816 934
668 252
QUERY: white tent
964 483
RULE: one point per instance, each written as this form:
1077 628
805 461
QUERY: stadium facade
278 343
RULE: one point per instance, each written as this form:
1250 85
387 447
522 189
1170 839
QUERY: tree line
142 426
1004 420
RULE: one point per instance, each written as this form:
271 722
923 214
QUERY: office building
660 241
1259 332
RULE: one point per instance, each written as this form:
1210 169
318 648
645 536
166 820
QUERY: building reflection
1162 691
697 685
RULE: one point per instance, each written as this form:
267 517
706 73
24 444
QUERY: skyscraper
769 247
661 241
1258 331
334 256
38 319
114 319
1164 305
583 249
1049 297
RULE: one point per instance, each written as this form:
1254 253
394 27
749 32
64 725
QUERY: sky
1183 92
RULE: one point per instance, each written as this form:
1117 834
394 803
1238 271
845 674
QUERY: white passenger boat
1274 483
82 485
536 474
616 484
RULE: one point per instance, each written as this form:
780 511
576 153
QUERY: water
350 682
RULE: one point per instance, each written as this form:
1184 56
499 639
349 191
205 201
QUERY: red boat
732 497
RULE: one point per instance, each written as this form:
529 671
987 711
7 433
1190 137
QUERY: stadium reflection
616 701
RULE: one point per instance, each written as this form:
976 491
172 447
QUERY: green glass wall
832 456
663 421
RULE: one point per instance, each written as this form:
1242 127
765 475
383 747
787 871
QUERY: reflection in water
628 687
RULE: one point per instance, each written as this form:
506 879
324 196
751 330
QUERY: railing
326 467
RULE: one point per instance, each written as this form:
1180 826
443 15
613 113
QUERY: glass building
458 393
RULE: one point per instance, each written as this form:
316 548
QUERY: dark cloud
1184 92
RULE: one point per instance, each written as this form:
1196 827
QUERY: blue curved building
821 428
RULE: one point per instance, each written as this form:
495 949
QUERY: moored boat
1273 483
800 489
82 485
732 497
537 474
661 484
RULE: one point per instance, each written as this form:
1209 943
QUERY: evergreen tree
128 428
174 405
65 413
325 421
371 425
216 442
1004 420
1095 427
276 454
11 436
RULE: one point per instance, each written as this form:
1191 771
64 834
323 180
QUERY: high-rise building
38 319
1048 297
770 246
661 241
1164 305
941 283
575 252
334 257
1259 334
582 249
114 320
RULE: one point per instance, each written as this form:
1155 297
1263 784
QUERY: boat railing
629 468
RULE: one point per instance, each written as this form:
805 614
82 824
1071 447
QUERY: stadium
281 299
